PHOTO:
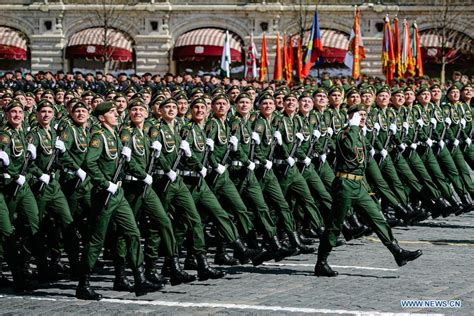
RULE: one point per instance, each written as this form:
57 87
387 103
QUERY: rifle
445 128
118 170
179 156
149 170
324 150
294 148
385 145
272 147
48 169
402 136
24 168
226 154
309 153
204 162
458 133
471 134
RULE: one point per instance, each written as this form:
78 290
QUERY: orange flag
263 60
299 61
278 71
289 67
408 64
417 50
397 48
355 52
388 58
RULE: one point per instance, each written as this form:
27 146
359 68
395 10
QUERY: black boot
4 281
403 214
205 271
190 262
468 203
221 257
121 282
358 229
242 253
142 285
84 291
311 233
297 244
152 275
347 230
176 273
56 269
402 256
322 267
306 241
280 252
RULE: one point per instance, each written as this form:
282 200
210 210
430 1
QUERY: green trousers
154 221
377 181
469 156
326 173
119 211
389 172
429 188
7 236
463 170
348 194
179 203
251 194
455 169
276 200
228 195
207 204
318 191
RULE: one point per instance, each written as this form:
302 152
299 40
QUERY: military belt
6 176
131 178
282 162
159 172
349 176
237 163
69 171
188 173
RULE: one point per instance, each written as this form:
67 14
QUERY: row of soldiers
251 164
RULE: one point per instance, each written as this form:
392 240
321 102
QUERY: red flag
397 48
417 51
315 47
299 61
278 70
388 57
263 60
408 64
289 72
355 52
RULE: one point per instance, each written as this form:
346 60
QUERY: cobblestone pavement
369 283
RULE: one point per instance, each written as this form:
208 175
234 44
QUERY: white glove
433 122
307 161
402 147
384 153
468 141
21 180
59 144
377 126
448 121
268 165
4 157
372 152
210 143
251 166
148 179
463 123
156 145
127 152
234 142
203 172
413 146
322 158
112 188
456 143
406 126
330 131
184 146
290 161
171 175
45 178
32 150
220 169
316 133
393 128
429 142
278 137
81 174
364 130
256 138
441 144
420 122
355 120
299 136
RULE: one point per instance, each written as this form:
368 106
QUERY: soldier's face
409 97
321 101
336 99
424 98
169 112
30 102
45 115
183 107
353 99
15 116
244 106
220 107
267 107
146 98
436 94
48 97
121 104
291 105
363 118
87 100
60 97
199 112
467 93
453 95
279 101
80 116
306 105
367 99
138 114
109 118
22 99
383 99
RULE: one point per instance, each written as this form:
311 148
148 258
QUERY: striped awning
452 39
90 43
13 44
334 42
206 42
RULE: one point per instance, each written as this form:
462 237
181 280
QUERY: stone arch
336 25
23 25
125 26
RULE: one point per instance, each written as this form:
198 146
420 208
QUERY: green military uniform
325 171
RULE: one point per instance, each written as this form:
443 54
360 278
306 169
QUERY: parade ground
369 283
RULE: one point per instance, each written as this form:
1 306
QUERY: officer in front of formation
349 190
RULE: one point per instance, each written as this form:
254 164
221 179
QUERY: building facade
148 35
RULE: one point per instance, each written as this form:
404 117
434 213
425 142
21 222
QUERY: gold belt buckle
119 183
